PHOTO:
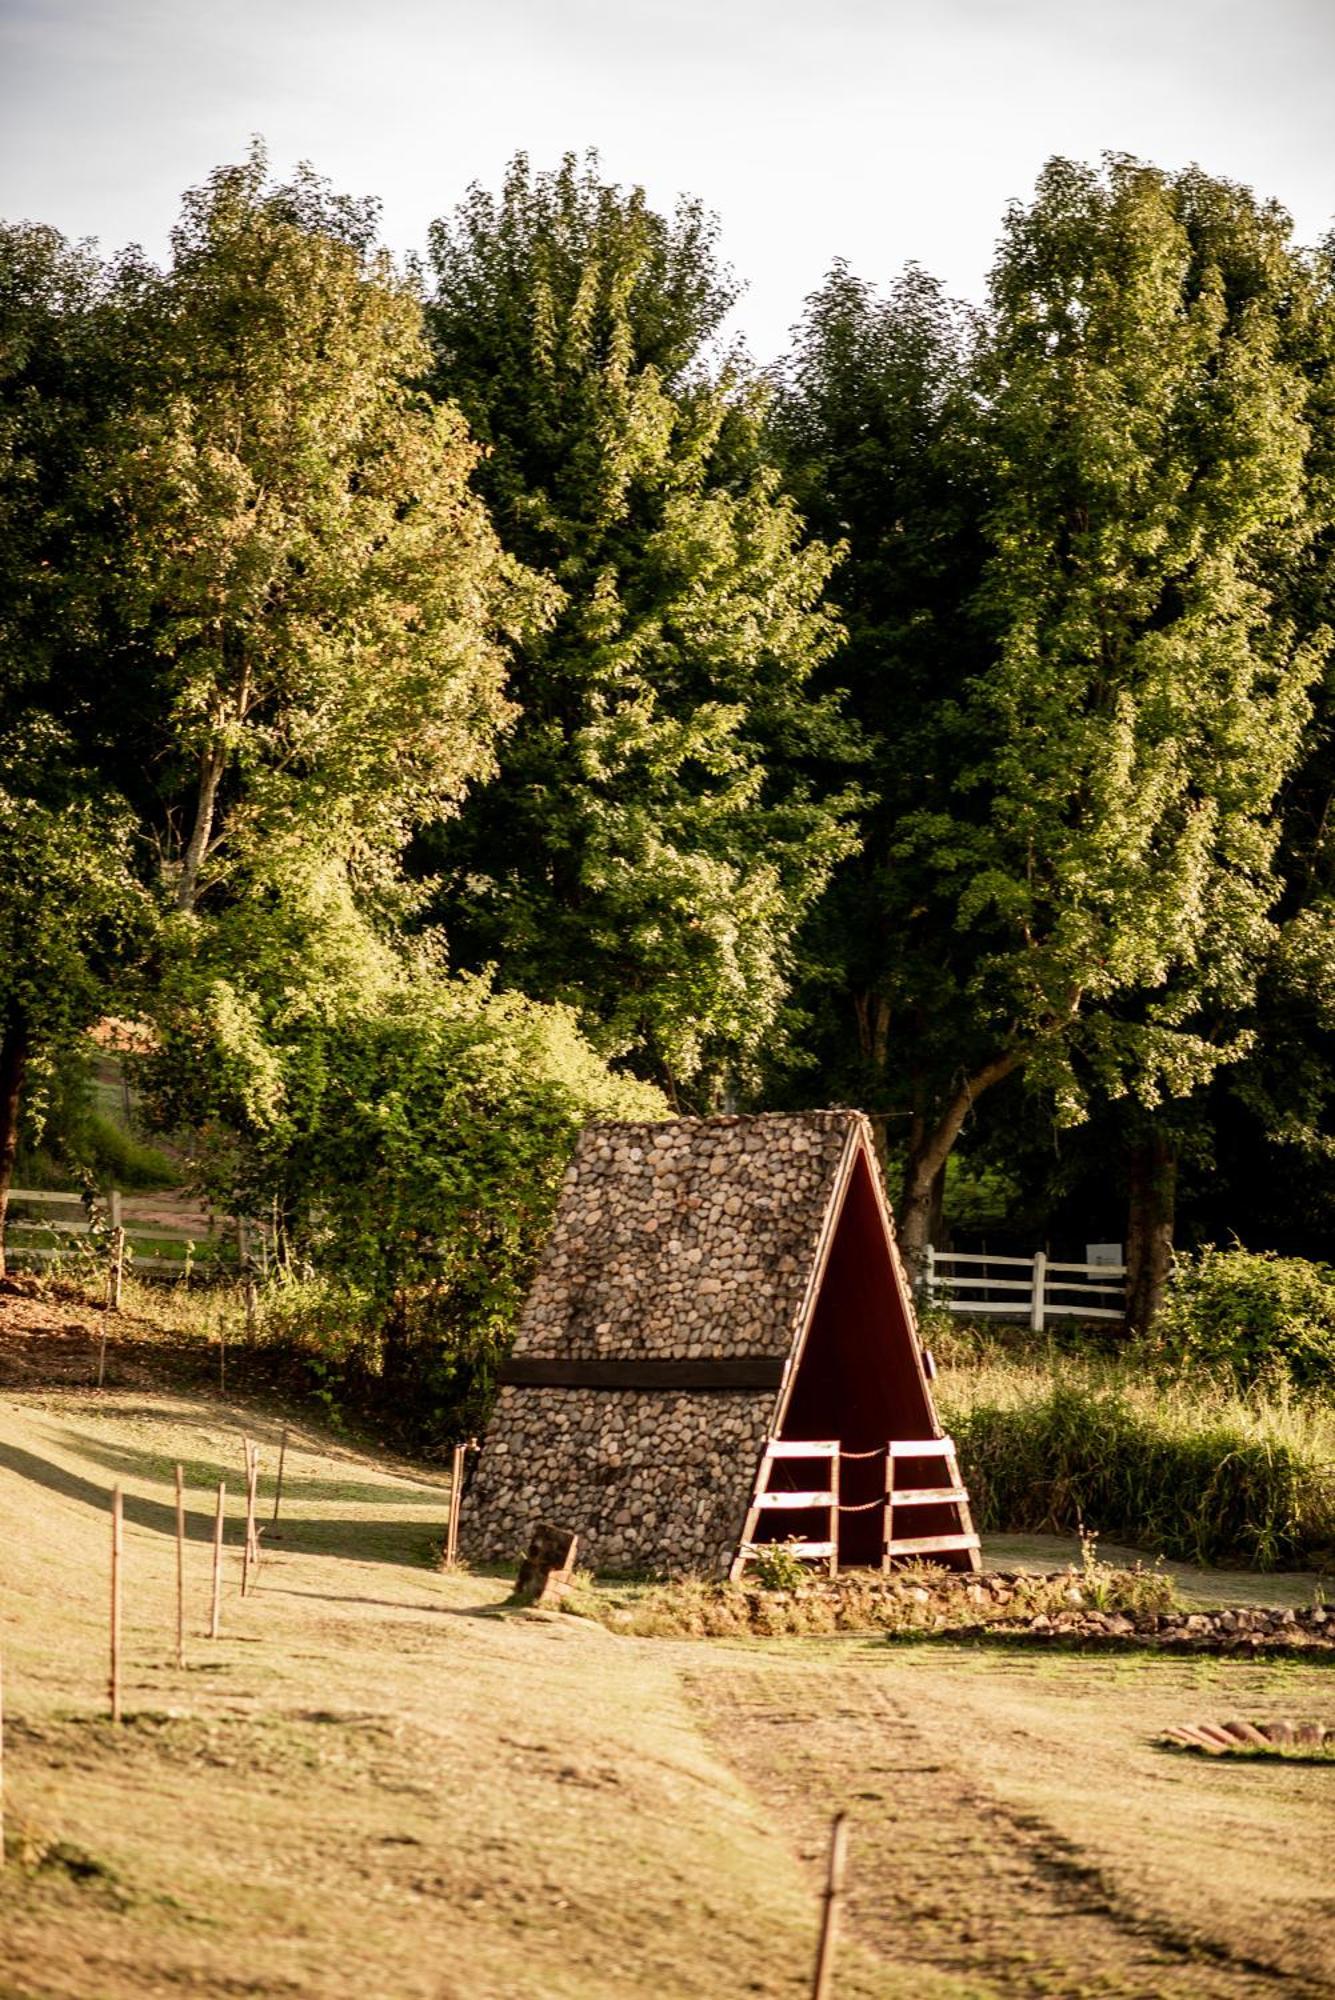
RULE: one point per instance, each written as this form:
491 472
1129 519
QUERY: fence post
1040 1283
929 1279
822 1977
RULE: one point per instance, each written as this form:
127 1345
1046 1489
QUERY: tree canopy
652 838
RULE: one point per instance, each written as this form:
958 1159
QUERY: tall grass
1196 1471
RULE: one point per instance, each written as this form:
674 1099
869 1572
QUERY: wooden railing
961 1281
77 1232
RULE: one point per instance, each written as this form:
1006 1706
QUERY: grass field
381 1784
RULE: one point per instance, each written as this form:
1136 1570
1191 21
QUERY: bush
1198 1477
412 1140
1251 1317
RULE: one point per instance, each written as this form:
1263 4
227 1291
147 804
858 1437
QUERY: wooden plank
994 1284
930 1496
814 1551
1083 1312
920 1447
979 1257
921 1545
747 1371
803 1447
1093 1270
799 1500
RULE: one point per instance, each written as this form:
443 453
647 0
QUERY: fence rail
176 1248
960 1281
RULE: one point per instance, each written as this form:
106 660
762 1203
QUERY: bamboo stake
114 1685
250 1554
829 1923
456 1495
254 1508
117 1266
278 1489
180 1567
215 1618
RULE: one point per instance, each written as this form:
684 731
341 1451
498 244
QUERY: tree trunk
1152 1199
13 1065
931 1148
211 767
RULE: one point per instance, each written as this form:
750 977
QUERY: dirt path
973 1854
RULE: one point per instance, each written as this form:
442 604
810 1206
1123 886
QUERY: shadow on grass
401 1542
133 1464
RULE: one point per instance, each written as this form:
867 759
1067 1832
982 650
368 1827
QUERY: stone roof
687 1239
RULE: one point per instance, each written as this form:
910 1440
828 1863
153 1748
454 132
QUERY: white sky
879 130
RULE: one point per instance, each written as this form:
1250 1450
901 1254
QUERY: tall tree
1118 761
1093 865
320 600
652 839
876 430
74 917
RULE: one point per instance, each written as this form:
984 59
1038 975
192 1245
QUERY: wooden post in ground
829 1923
215 1616
255 1508
180 1566
116 1269
278 1489
250 1555
114 1685
456 1497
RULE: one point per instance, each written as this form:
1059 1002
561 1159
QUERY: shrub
1199 1477
1251 1317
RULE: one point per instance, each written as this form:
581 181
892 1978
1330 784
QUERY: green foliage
1191 1475
1076 872
652 838
1251 1318
314 597
775 1567
410 1129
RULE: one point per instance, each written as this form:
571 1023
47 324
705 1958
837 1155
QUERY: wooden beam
745 1371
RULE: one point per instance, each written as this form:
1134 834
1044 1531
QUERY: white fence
961 1281
57 1226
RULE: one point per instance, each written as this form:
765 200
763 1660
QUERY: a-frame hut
711 1286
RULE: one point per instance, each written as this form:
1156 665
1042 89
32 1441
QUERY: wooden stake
456 1497
250 1554
2 1760
114 1687
102 1344
278 1489
117 1266
829 1923
180 1567
222 1352
215 1618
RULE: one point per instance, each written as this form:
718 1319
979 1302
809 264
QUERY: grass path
378 1785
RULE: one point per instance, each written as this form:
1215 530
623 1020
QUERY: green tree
653 837
875 427
74 917
1118 762
1084 895
318 606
